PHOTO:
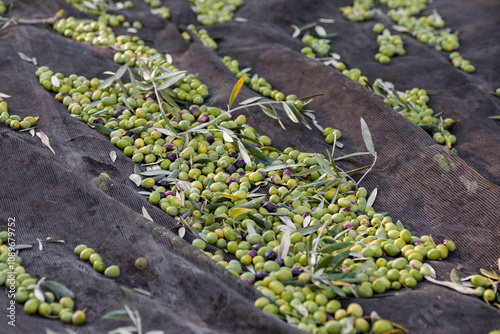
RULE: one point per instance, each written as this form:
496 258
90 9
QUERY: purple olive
169 192
169 147
296 271
257 246
288 172
347 225
135 136
203 118
210 139
163 183
270 206
306 214
252 253
345 210
231 180
240 164
256 145
99 121
280 261
116 112
270 255
194 111
260 274
233 154
127 133
230 169
172 157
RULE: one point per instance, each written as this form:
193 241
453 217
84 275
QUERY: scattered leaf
371 198
367 137
116 315
112 155
236 90
58 289
285 245
457 287
289 112
136 179
45 140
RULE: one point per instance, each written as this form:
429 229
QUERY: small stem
50 20
368 171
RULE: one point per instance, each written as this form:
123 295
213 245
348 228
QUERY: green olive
141 263
78 318
112 271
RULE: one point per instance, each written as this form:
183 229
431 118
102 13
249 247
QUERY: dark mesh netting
423 184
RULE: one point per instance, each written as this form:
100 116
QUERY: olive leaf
367 137
251 229
325 166
285 245
371 198
45 140
306 221
255 151
320 31
116 315
490 274
112 156
348 325
290 112
172 79
454 277
251 100
244 153
236 90
296 31
4 96
59 290
457 287
145 213
136 179
288 222
23 246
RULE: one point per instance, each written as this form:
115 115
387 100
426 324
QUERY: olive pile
88 254
158 9
321 46
128 49
14 121
430 30
389 46
361 10
486 286
459 62
23 286
210 12
213 189
203 35
412 104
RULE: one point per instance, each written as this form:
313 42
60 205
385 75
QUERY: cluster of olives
162 11
331 135
459 62
22 286
14 121
203 35
260 84
414 108
127 49
361 10
389 46
321 46
210 12
88 254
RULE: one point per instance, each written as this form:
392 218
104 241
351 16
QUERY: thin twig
50 20
368 171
